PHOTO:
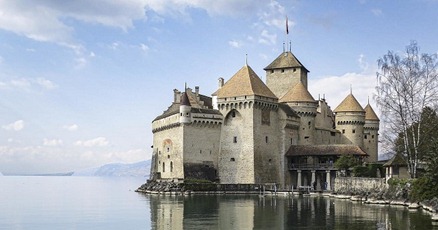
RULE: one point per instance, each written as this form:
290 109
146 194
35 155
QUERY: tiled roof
397 159
349 104
185 99
370 115
298 93
284 61
327 150
245 83
288 110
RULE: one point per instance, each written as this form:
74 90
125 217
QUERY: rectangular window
266 139
353 131
235 139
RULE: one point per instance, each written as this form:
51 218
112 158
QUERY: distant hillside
139 169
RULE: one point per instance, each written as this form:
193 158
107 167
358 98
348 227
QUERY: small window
343 131
235 139
164 167
187 114
266 139
365 137
306 137
200 151
272 71
171 166
168 156
232 159
282 70
270 160
233 114
168 149
291 141
372 136
353 131
295 70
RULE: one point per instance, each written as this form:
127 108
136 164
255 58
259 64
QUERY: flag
287 26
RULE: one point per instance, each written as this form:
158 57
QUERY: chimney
221 82
176 96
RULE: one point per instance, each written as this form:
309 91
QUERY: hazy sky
81 81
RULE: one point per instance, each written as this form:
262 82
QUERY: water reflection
253 212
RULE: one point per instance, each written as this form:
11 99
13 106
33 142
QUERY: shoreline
353 198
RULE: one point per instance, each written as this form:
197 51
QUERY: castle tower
350 120
284 73
371 134
248 145
185 110
301 101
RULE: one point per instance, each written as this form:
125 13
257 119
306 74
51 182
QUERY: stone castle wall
359 185
281 80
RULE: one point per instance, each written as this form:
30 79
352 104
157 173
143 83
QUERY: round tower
350 120
300 100
371 134
185 110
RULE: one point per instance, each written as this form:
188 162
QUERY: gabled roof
245 83
327 150
284 61
396 160
370 115
298 93
349 104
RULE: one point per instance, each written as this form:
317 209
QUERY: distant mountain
139 169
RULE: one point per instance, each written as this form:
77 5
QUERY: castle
250 132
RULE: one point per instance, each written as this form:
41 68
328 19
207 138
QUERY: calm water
111 203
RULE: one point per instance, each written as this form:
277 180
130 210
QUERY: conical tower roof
298 93
185 99
349 104
244 83
284 61
370 115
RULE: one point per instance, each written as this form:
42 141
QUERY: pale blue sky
81 81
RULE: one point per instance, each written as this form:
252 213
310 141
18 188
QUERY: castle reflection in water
254 212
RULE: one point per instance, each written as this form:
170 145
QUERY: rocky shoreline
395 196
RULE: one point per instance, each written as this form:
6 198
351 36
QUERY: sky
81 81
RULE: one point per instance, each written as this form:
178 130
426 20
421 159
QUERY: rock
414 206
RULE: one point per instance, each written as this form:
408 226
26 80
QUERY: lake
112 203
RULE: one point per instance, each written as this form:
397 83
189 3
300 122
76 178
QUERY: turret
371 134
301 101
350 120
185 109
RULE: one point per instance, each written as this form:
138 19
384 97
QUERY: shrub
424 188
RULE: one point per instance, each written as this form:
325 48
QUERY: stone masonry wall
359 185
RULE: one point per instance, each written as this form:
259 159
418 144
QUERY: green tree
345 162
407 84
